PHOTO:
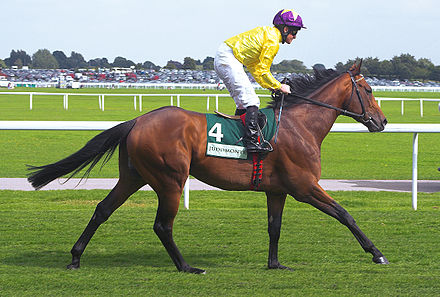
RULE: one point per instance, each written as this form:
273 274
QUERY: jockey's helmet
288 18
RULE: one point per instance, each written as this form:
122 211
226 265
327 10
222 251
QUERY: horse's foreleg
275 206
322 201
163 227
104 209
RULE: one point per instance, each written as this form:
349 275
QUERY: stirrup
262 148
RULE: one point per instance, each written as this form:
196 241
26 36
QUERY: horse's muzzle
374 125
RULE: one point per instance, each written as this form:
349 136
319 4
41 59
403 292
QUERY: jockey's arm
261 70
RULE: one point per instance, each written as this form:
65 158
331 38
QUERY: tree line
400 67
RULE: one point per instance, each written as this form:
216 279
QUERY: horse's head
361 103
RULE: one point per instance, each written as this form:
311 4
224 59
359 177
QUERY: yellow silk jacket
256 49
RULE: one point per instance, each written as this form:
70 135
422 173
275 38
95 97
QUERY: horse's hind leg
128 183
322 201
104 209
163 227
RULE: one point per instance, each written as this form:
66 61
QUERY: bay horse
163 147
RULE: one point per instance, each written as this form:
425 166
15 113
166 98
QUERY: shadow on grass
60 259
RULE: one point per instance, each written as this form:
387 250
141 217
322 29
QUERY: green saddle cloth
224 137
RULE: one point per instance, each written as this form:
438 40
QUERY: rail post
414 170
186 194
140 102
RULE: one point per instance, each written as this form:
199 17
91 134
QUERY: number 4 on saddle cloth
225 139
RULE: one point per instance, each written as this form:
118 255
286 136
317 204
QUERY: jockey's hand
285 89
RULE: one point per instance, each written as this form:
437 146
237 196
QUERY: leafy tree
2 64
423 69
189 63
319 66
76 60
18 63
100 63
19 54
404 66
435 73
149 65
339 66
425 63
372 65
43 59
122 62
208 63
386 68
420 73
61 59
173 65
289 66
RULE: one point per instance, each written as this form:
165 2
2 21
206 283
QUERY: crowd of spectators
124 75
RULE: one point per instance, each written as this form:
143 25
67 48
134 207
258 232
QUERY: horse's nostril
385 122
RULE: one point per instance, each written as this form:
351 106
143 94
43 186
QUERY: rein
345 112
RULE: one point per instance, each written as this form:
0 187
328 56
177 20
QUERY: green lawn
224 233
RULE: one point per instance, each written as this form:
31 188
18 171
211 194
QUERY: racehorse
163 147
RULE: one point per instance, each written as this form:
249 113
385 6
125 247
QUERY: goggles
293 31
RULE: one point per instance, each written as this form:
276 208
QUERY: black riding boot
252 131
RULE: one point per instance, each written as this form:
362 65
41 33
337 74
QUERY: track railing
176 98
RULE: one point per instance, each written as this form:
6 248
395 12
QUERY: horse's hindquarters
162 143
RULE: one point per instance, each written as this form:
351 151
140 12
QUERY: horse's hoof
279 266
194 270
381 260
73 266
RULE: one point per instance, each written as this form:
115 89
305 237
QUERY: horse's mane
305 85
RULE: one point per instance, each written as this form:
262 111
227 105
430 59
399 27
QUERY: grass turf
225 233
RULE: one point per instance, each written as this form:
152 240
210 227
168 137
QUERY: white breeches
231 72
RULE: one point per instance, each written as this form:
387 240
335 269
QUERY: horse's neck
318 120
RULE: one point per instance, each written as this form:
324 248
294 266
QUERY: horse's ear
356 68
353 67
360 65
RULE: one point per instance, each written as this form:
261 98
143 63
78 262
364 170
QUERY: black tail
104 144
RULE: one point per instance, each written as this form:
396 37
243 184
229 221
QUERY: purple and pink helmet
289 18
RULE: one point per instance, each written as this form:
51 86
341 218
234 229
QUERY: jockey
256 50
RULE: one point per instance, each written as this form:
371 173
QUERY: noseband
362 117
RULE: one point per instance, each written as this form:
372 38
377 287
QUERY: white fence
338 127
402 100
137 98
176 98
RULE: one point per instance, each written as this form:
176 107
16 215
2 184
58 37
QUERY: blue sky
159 31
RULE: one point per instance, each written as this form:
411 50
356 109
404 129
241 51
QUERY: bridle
362 117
